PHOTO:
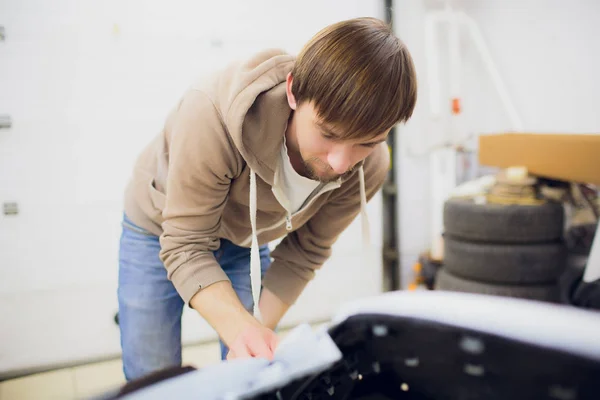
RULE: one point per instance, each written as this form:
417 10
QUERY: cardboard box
568 157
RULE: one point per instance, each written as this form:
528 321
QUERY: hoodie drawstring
255 273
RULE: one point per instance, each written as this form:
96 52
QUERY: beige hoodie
213 170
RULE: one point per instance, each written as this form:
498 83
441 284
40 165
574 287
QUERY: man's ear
288 91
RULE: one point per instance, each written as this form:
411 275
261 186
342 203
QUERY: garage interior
492 191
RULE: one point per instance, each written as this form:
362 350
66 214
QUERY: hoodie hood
257 103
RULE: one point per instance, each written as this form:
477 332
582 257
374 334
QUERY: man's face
315 150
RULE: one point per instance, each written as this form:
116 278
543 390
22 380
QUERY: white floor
86 381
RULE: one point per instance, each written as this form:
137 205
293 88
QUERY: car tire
465 219
505 263
446 281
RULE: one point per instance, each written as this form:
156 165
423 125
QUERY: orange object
417 267
456 106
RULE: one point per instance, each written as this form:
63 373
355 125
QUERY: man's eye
369 145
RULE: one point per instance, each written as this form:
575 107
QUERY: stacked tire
503 250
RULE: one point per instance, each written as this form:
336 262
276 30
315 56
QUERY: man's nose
339 159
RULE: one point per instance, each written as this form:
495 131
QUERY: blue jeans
150 308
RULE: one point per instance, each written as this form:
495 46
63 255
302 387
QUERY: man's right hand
243 334
254 341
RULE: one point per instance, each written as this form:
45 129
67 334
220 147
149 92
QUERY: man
270 147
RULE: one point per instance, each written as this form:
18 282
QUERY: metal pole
391 243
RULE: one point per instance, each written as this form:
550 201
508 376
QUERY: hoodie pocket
158 199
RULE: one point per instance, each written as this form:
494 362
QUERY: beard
319 171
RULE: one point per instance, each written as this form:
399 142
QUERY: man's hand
243 334
254 341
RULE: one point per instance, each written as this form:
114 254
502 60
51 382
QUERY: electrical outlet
11 208
5 122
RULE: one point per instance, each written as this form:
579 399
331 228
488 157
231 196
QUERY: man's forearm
222 309
272 309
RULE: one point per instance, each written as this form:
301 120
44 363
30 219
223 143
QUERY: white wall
548 54
87 84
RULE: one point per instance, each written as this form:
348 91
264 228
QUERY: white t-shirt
294 186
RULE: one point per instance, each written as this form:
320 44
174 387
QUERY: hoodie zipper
288 218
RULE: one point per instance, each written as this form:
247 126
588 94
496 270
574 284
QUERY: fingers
273 342
260 343
260 348
238 352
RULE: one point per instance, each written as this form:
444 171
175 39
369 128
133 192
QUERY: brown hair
359 76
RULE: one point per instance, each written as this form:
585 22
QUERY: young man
274 146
